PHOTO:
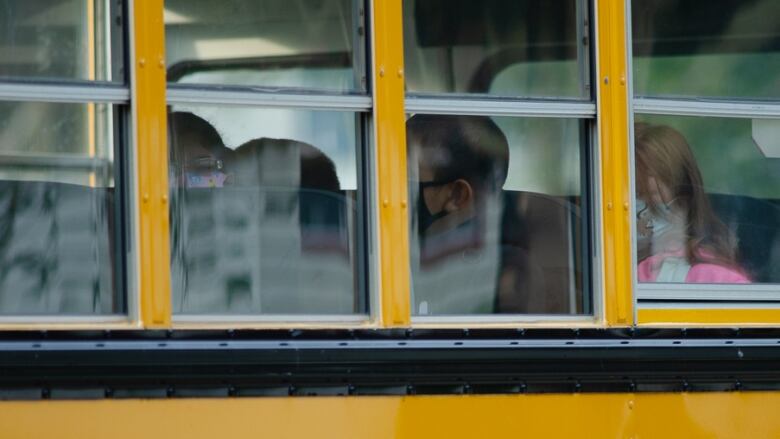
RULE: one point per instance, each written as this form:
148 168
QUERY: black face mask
424 216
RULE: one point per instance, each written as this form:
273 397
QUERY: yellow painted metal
709 317
152 162
389 120
667 415
613 135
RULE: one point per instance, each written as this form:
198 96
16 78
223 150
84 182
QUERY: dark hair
317 170
470 147
663 153
184 126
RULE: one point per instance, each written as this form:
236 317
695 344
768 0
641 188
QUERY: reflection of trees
726 48
729 160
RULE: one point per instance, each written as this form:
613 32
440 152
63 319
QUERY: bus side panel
624 415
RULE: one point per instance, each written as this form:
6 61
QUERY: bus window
720 48
62 39
530 48
266 202
59 226
272 43
706 165
63 161
498 226
501 225
708 201
263 212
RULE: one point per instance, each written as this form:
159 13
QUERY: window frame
118 94
690 309
612 286
582 110
359 103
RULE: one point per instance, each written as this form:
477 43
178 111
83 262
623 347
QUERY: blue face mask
658 225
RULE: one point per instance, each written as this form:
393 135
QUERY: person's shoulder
647 268
718 274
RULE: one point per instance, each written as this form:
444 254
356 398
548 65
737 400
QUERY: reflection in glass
708 200
496 230
59 225
62 39
272 43
718 48
263 212
518 48
66 143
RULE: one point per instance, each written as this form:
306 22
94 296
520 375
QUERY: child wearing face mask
679 238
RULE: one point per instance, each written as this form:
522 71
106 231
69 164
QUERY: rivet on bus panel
609 205
382 71
142 62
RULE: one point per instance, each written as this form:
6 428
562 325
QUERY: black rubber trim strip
69 365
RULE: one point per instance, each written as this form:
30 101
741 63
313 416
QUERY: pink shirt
703 273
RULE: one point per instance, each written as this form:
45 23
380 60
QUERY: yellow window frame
612 115
390 140
715 317
390 126
618 306
697 315
147 307
150 198
151 136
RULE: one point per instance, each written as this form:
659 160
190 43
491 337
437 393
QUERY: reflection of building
267 243
56 249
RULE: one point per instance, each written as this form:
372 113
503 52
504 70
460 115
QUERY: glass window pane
500 224
507 48
62 39
708 199
265 211
713 48
60 226
274 43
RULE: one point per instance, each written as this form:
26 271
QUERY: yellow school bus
389 218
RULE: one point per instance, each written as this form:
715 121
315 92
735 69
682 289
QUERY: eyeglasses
642 207
204 163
